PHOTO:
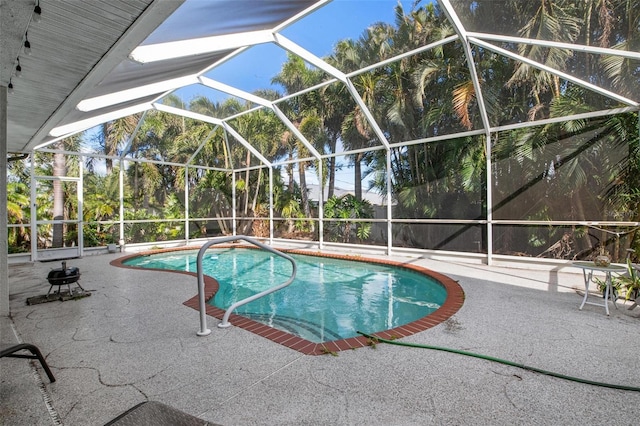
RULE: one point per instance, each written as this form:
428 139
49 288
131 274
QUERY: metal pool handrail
204 331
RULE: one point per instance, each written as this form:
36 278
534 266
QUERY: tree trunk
254 202
303 194
247 188
358 176
290 172
222 223
332 169
135 186
59 170
145 192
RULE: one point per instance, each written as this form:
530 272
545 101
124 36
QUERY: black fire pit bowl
64 276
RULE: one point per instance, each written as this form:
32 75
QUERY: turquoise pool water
330 299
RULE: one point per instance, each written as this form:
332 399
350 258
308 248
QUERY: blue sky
317 33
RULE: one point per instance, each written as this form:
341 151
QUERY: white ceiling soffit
74 45
199 46
135 91
129 74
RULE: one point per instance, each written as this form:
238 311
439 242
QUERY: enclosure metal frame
467 40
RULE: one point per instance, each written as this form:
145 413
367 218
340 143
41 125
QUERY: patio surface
133 340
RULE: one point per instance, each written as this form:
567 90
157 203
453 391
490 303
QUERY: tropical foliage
345 208
545 180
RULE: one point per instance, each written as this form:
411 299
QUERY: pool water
330 299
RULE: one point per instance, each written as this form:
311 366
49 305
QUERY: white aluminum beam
187 114
245 143
202 144
413 52
315 6
365 110
307 90
271 202
296 161
4 275
296 132
80 214
569 46
234 91
186 203
127 146
462 32
287 44
583 116
121 210
245 112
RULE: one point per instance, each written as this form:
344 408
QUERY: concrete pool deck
134 340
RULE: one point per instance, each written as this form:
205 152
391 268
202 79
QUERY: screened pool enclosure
489 128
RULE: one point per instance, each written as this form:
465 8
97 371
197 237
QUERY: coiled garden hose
375 339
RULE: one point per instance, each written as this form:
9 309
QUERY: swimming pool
331 298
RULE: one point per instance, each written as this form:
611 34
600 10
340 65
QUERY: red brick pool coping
453 302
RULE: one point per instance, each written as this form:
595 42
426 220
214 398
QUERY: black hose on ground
501 361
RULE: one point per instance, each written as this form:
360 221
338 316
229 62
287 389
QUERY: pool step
297 326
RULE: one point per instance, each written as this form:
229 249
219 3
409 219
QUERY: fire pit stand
60 277
64 276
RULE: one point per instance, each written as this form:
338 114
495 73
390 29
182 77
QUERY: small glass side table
588 268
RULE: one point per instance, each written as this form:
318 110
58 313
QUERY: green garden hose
501 361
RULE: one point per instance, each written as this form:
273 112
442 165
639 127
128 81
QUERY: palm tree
101 204
355 130
59 170
303 112
335 104
622 72
263 130
113 135
551 21
17 208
